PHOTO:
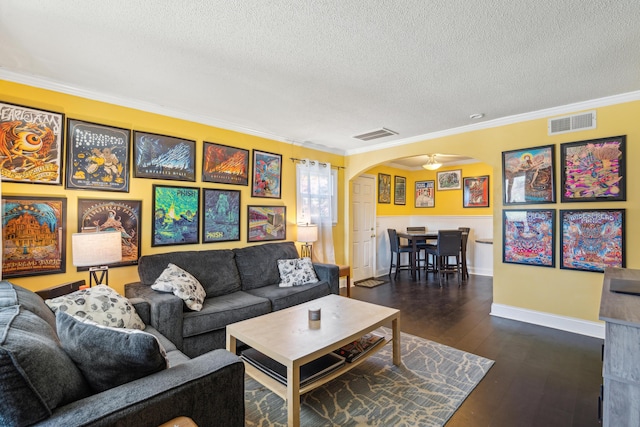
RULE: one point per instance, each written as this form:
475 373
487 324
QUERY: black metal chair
448 245
396 250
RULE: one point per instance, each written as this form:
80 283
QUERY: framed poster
266 223
528 175
528 237
594 170
425 194
221 215
97 157
225 165
163 157
176 218
384 188
31 151
267 175
34 235
400 190
449 180
475 192
113 215
592 239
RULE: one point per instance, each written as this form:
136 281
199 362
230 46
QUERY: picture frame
223 164
31 163
425 194
220 215
34 235
594 170
163 157
266 223
176 219
528 237
529 175
120 215
384 188
449 180
592 239
475 191
400 190
267 175
97 157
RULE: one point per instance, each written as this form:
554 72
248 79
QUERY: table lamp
307 234
97 250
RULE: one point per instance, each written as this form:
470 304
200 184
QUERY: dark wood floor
541 376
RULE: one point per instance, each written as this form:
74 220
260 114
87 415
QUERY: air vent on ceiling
379 133
572 123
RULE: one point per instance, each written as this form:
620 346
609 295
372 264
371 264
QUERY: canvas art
176 219
529 237
97 157
384 188
123 216
30 145
425 194
163 157
266 223
34 235
528 175
592 239
476 192
267 175
224 164
221 213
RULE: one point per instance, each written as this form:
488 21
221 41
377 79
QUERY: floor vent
380 133
572 123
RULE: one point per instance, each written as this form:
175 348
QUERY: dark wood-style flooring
541 376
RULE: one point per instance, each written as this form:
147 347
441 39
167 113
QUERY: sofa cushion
36 375
11 294
296 272
100 304
109 356
258 265
286 297
214 269
181 284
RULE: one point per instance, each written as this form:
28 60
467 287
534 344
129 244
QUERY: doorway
363 227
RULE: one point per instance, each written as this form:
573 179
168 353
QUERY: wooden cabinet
621 357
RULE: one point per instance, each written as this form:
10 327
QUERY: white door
363 228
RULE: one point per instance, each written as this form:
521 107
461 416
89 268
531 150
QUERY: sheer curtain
314 191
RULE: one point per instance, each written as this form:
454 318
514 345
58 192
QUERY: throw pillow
109 357
183 285
100 304
296 272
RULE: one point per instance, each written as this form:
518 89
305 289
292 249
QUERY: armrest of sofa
165 310
329 273
207 388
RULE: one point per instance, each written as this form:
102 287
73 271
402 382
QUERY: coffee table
290 338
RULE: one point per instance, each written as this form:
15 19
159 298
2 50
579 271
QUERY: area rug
426 390
370 283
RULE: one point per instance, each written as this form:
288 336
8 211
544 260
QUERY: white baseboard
569 324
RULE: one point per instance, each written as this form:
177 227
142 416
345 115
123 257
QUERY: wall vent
572 123
375 134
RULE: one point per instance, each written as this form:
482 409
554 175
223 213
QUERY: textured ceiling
319 72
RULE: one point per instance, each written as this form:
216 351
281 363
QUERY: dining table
414 237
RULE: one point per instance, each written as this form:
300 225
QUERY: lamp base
103 279
305 251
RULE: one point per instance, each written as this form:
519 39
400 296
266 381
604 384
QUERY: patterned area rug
370 283
426 390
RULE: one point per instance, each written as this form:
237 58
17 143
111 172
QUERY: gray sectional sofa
40 384
240 284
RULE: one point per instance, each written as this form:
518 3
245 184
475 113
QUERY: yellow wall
141 189
568 293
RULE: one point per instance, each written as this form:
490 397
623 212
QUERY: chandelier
431 163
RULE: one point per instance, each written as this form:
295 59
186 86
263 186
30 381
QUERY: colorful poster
266 223
163 157
224 164
529 175
30 145
476 192
176 215
221 221
113 215
267 174
528 237
98 157
384 188
34 236
425 194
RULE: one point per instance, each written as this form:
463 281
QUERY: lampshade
99 248
307 233
431 163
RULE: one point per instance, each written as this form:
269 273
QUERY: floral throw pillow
183 285
296 272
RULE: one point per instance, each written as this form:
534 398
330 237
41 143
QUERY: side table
345 271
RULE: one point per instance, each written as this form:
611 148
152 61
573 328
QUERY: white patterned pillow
100 304
183 285
296 272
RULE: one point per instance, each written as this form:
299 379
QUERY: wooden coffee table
288 337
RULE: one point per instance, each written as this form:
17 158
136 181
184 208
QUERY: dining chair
448 245
421 246
463 253
396 250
